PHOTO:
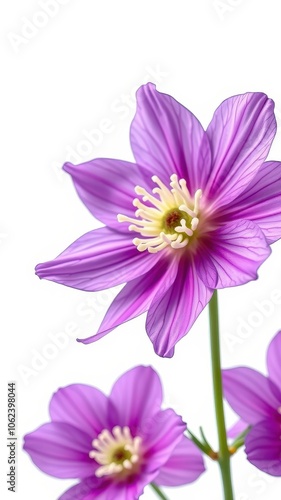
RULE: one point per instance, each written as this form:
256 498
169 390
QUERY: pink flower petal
240 133
261 201
232 255
263 446
274 360
106 187
137 396
249 394
61 450
92 488
100 259
175 308
82 406
168 139
184 466
161 434
135 298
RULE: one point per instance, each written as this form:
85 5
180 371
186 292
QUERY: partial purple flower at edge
257 400
197 212
114 445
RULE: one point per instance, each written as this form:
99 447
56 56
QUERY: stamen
117 452
171 221
194 223
183 229
197 197
187 210
148 197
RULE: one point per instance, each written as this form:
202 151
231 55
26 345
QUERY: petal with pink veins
100 259
167 139
240 134
184 466
232 255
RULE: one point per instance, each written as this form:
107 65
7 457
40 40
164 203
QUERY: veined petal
100 259
184 466
240 133
136 297
249 394
106 187
93 488
61 450
88 489
232 254
168 139
161 434
261 201
175 308
274 360
82 406
137 396
263 446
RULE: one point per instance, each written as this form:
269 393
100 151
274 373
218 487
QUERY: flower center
117 452
170 219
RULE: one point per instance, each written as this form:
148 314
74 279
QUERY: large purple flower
257 400
115 445
206 210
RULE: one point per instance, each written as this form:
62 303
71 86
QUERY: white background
69 76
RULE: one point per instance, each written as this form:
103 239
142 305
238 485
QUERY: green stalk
158 491
224 454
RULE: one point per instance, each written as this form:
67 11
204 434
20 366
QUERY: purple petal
161 434
136 297
250 394
61 450
168 139
106 187
175 308
90 488
237 429
100 259
184 466
274 360
240 133
261 201
263 446
137 396
82 406
233 256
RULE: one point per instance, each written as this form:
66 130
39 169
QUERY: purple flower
115 445
257 400
195 213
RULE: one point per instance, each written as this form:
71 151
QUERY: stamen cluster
170 221
117 452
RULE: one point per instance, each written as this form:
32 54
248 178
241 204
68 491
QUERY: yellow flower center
171 219
117 452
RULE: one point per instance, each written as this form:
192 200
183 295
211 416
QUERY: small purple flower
115 445
257 400
195 213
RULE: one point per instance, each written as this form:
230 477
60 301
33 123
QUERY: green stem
158 491
224 454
